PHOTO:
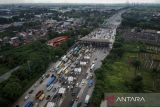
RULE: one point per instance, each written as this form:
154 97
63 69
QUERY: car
26 97
88 77
52 75
91 76
30 92
52 69
54 89
77 98
40 81
68 87
43 77
36 105
93 62
71 87
77 84
83 82
48 97
55 96
71 102
73 94
47 75
35 85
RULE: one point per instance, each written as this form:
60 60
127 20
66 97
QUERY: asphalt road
100 53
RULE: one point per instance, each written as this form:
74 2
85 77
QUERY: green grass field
121 72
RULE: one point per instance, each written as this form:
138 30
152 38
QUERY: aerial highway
69 82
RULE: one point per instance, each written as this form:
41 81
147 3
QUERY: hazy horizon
78 1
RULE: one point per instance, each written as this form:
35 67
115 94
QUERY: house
15 41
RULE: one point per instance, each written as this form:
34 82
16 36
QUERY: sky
78 1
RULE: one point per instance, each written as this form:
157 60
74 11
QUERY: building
15 41
57 41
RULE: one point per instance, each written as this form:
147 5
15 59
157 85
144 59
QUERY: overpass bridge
95 42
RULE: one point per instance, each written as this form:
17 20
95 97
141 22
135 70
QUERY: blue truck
90 83
29 104
51 80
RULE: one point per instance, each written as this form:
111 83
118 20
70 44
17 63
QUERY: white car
35 85
77 84
36 105
43 77
88 77
26 97
93 62
83 82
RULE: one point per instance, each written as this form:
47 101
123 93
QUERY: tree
12 90
137 84
70 42
142 48
156 76
118 44
64 46
59 51
118 52
136 63
21 73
